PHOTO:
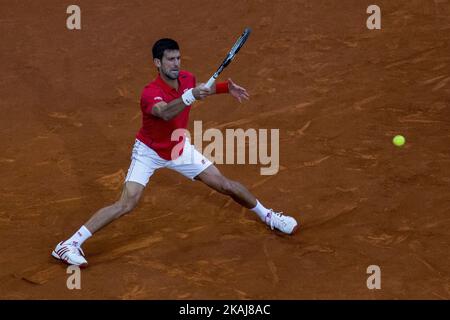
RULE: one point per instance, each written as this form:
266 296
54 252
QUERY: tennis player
165 105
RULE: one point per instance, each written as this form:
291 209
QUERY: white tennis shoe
70 254
277 220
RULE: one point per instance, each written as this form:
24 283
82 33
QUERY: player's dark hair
161 45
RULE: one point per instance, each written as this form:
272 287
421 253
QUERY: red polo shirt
156 132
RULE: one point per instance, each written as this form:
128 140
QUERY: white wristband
188 97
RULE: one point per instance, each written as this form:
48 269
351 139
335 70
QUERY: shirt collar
164 84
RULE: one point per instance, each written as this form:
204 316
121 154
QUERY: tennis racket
230 56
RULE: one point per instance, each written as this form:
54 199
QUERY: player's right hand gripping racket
230 56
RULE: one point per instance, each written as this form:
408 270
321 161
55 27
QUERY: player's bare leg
131 193
213 178
70 250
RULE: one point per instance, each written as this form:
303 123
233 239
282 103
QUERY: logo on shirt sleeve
157 98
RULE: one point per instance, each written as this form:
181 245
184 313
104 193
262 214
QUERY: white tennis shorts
144 162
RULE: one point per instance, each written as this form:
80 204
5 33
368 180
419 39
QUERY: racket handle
210 82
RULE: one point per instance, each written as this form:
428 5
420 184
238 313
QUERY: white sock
260 210
79 237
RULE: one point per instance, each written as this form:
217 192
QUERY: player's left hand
236 91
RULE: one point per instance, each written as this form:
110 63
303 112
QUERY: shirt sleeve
149 98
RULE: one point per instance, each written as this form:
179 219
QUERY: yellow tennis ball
399 140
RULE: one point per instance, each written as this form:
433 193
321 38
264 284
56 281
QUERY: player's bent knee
130 204
129 201
120 208
125 206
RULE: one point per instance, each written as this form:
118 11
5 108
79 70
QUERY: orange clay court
337 91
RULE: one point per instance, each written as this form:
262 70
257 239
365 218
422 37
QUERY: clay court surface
337 91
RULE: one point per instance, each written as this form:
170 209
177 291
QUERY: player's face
170 64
